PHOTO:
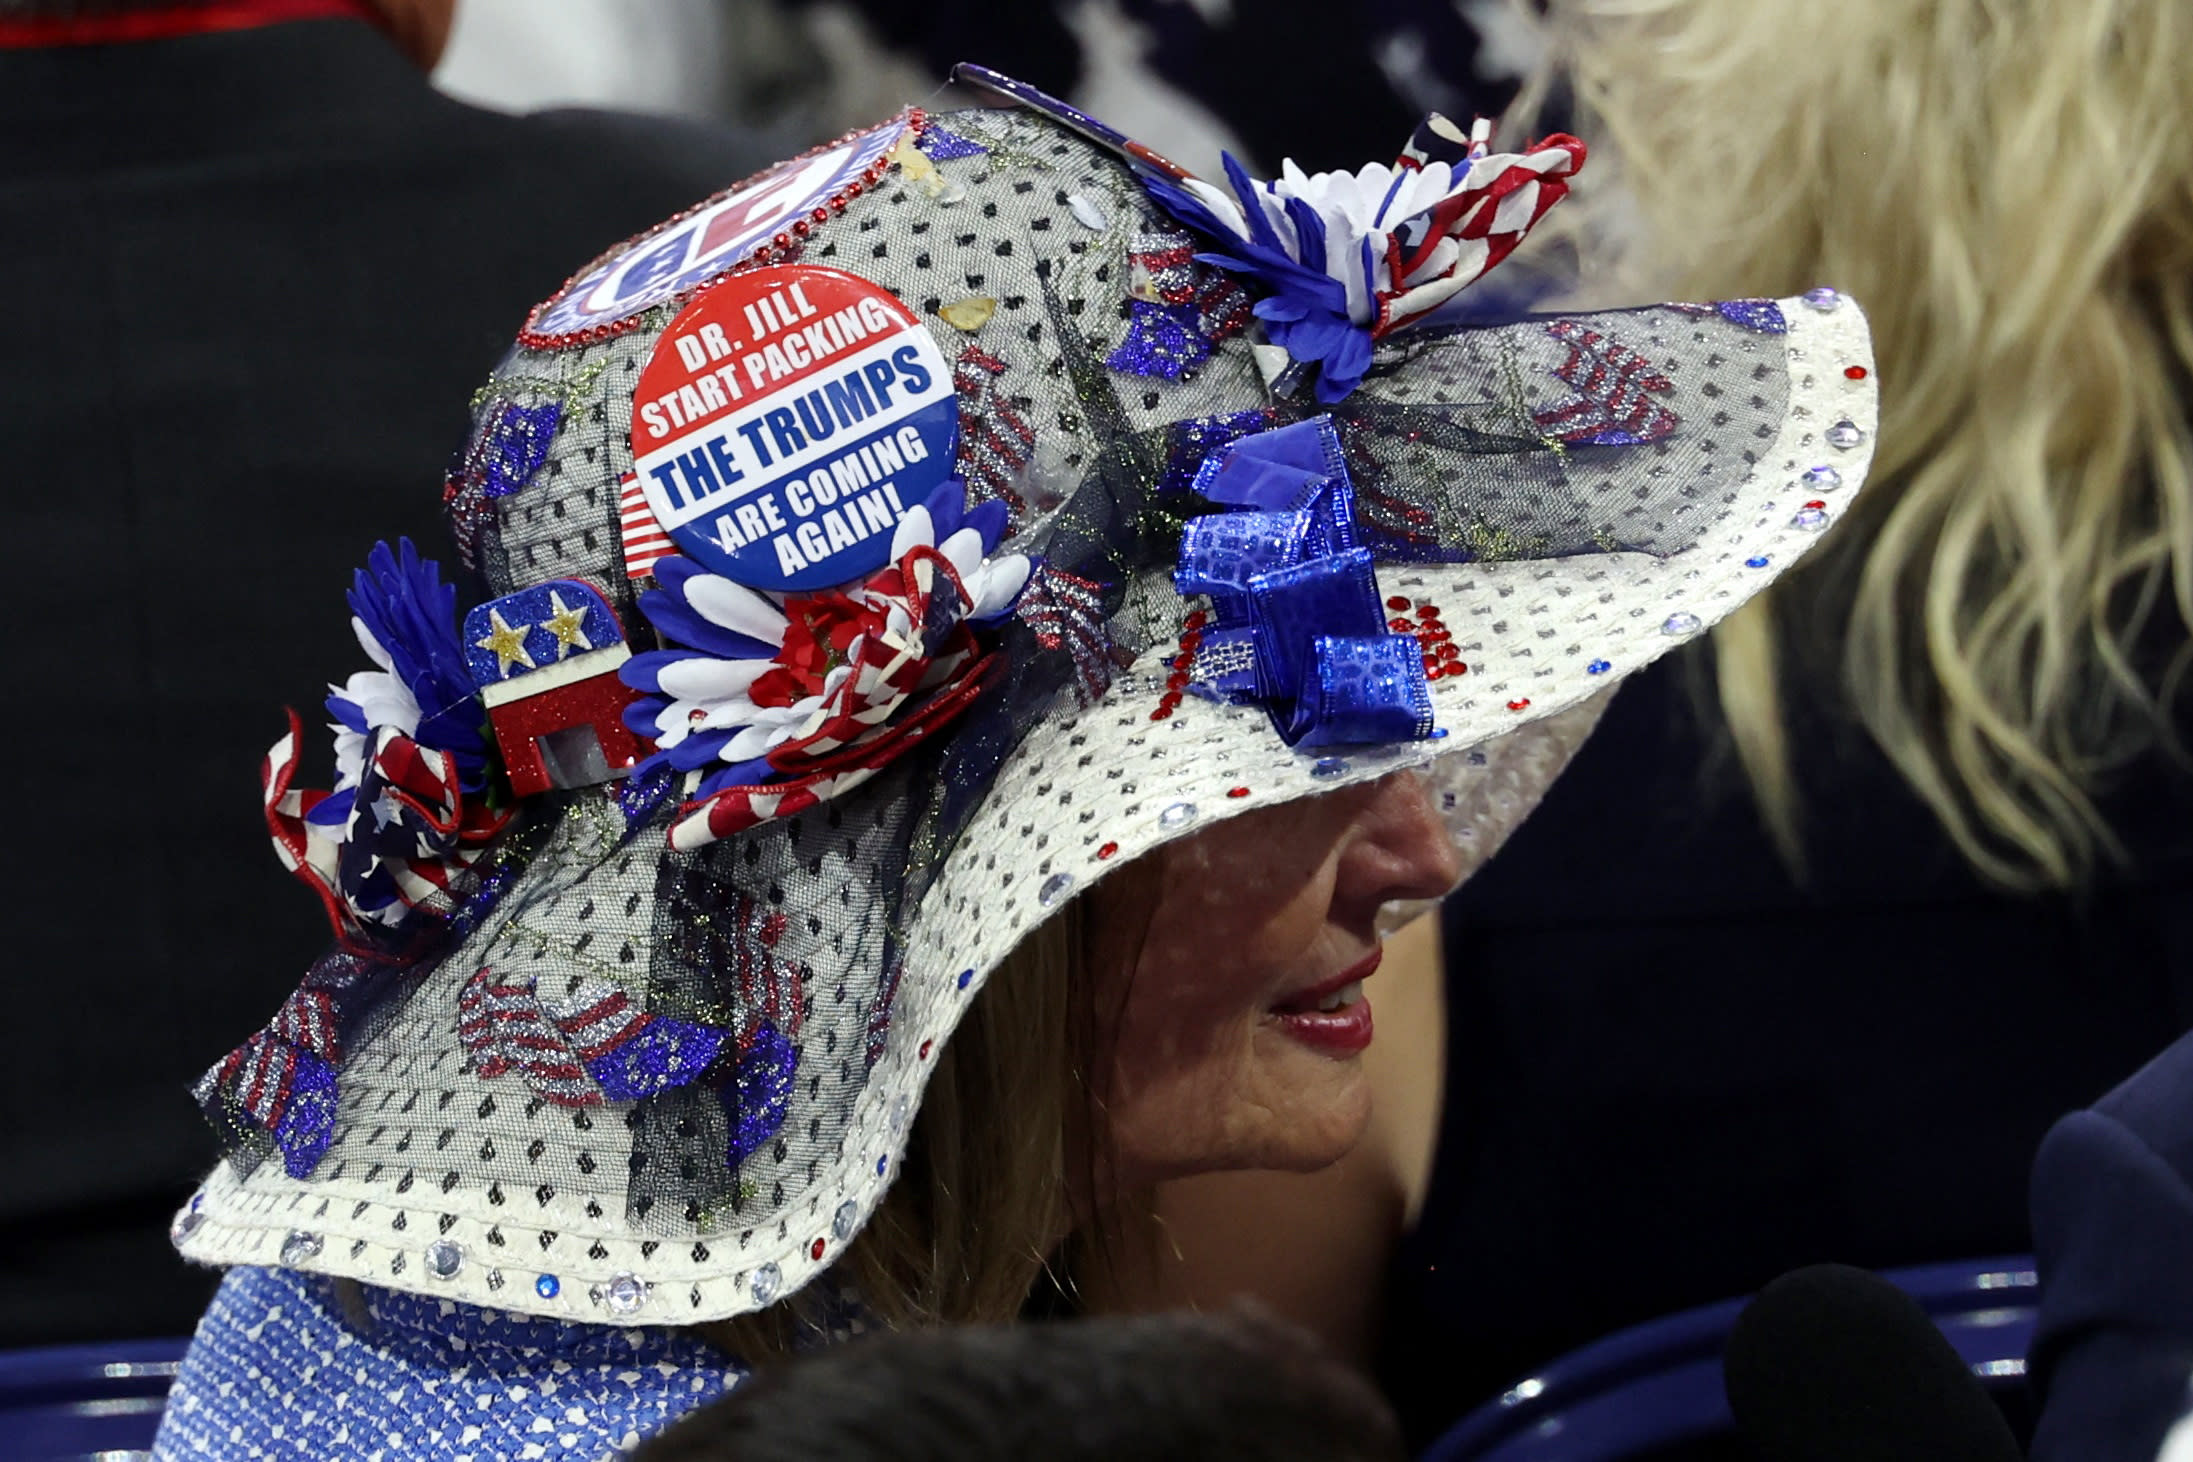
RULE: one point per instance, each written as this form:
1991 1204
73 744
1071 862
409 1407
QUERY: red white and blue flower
408 811
782 701
1346 258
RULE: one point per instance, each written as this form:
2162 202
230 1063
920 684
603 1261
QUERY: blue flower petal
682 623
349 712
644 670
699 749
738 774
1252 205
989 520
672 572
644 716
333 810
947 506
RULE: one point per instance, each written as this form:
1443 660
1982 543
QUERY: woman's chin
1317 1109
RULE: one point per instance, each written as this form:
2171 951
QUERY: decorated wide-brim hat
860 566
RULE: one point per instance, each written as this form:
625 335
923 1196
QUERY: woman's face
1237 1042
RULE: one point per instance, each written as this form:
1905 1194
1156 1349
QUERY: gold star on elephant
507 643
566 624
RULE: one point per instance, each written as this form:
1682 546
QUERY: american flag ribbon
644 538
505 1029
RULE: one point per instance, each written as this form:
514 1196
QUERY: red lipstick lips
1345 1028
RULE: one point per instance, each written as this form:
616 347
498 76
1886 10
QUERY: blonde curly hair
2007 186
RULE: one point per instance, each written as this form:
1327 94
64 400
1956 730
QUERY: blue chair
1657 1386
78 1402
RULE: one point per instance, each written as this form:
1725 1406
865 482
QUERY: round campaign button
694 247
787 420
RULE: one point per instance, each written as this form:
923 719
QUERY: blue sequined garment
278 1370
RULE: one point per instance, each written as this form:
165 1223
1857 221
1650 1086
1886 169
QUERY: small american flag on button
644 539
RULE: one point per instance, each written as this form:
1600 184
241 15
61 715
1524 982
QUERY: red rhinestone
1399 626
1816 503
1427 611
925 1045
1178 680
1170 699
1107 851
1448 650
1198 619
1439 634
1521 705
1856 373
1430 664
820 215
1237 791
1162 713
1434 671
1397 602
1192 641
814 1250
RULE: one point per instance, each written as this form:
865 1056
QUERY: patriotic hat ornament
874 557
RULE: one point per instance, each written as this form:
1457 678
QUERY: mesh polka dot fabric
1561 500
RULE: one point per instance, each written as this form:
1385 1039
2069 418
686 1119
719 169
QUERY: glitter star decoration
506 644
566 624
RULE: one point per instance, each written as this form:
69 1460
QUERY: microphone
1835 1364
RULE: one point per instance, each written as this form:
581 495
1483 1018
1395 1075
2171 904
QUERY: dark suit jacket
2113 1223
252 280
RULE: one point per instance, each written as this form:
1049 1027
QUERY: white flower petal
370 645
963 550
751 742
736 608
915 530
701 679
1221 204
1001 579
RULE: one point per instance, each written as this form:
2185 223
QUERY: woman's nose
1404 850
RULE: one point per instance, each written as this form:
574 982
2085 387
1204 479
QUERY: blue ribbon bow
1296 617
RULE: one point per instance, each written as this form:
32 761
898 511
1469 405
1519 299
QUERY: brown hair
1002 1174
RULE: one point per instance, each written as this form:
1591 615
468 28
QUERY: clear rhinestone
1823 299
1679 624
444 1259
902 1107
625 1293
1823 479
548 1286
1329 767
767 1280
1054 888
1845 434
1086 212
1180 814
842 1226
1809 520
187 1220
301 1246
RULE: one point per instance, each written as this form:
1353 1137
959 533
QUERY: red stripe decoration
599 1018
644 538
1610 381
996 442
505 1029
